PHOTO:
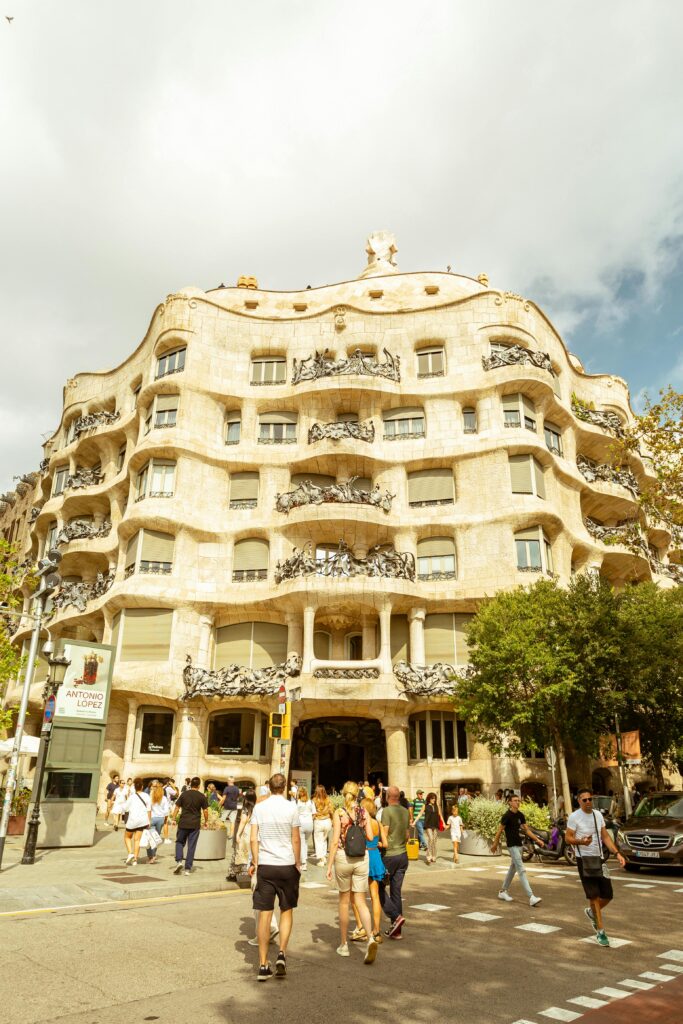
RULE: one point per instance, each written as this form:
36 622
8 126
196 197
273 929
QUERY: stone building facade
316 489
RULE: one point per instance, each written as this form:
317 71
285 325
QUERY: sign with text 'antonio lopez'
84 694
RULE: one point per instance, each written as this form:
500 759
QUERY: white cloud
151 146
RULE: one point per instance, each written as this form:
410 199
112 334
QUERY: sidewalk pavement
80 876
86 876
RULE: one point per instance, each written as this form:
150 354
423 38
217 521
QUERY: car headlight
678 840
621 838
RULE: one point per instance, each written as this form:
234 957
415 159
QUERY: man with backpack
395 827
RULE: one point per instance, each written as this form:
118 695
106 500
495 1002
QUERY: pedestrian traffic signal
280 725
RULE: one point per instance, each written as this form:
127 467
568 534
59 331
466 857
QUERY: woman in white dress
119 804
139 811
455 825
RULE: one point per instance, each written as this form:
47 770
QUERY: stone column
385 637
205 635
309 626
295 635
189 742
397 755
416 619
130 736
369 639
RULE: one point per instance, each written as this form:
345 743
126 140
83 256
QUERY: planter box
16 825
211 844
474 846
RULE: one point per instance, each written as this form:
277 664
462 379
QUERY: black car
654 832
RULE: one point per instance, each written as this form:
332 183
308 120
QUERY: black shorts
281 880
595 888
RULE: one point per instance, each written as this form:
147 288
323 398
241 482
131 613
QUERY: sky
148 145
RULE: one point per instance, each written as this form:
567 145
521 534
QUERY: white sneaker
503 895
129 859
254 941
343 950
304 867
534 901
168 842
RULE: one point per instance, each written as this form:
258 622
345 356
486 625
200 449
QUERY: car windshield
667 805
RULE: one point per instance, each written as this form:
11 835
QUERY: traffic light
280 726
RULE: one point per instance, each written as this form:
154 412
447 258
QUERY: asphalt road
186 958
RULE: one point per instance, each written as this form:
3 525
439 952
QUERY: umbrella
29 745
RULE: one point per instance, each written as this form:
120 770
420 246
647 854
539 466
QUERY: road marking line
641 986
478 869
124 903
656 976
312 885
545 875
638 885
542 929
525 1021
588 1002
677 968
477 916
431 907
558 1013
613 993
672 954
614 943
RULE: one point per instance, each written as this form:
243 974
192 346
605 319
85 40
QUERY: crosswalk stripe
641 986
588 1002
542 929
613 993
478 916
559 1013
656 976
676 968
671 954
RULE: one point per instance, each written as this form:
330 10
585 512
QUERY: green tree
13 575
652 636
544 665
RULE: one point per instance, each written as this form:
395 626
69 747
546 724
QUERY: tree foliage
657 434
13 575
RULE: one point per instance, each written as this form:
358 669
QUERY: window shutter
435 546
462 623
520 474
556 386
278 417
132 550
430 485
233 645
233 417
529 407
269 646
244 487
321 645
399 638
404 413
146 634
511 403
539 478
280 370
251 554
531 534
165 402
157 547
115 630
319 479
439 639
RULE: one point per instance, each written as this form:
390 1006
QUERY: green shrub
337 801
483 816
215 822
536 816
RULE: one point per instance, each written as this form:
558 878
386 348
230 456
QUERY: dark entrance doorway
335 750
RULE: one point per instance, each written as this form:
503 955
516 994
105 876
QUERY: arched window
403 424
250 560
436 558
233 425
353 643
251 644
277 428
533 551
438 735
244 490
431 487
237 734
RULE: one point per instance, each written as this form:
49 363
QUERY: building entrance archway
336 750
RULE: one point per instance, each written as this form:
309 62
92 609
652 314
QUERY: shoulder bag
592 866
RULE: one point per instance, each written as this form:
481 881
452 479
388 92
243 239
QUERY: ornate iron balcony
83 478
244 503
427 576
608 421
360 363
344 492
433 373
515 355
83 531
93 420
592 471
238 680
342 562
339 431
249 575
276 440
76 595
440 678
411 435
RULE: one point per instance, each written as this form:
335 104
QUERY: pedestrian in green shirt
395 827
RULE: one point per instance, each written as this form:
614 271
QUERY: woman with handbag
119 805
160 809
433 824
351 829
138 818
322 823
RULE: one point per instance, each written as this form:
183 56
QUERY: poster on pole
302 778
84 694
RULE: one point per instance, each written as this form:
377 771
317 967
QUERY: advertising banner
630 749
84 694
302 778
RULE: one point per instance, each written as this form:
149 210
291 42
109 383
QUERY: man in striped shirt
416 809
275 842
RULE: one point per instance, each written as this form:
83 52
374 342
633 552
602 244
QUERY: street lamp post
58 667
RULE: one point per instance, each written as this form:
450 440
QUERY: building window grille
233 428
437 735
534 553
553 438
171 362
519 410
469 421
61 476
268 371
431 362
277 428
403 424
155 480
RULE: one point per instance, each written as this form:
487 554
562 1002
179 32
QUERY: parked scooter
554 848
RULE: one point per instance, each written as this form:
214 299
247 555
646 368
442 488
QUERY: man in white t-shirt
276 858
586 831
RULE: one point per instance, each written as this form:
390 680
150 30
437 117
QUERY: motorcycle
554 848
